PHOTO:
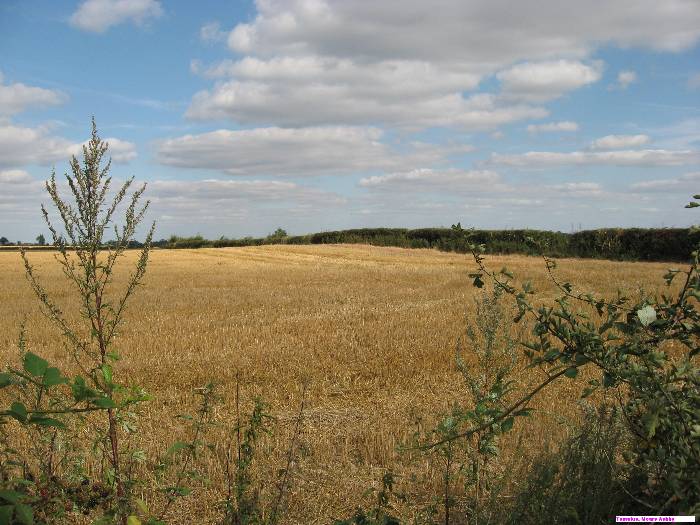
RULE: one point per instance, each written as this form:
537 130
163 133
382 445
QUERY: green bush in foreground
648 348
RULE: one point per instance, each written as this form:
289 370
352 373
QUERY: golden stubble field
372 330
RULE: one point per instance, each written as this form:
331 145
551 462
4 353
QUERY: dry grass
373 331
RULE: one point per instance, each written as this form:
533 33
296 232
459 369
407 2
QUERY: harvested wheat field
372 331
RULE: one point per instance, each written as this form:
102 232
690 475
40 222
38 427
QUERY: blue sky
319 114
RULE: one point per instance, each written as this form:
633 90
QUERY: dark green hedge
667 244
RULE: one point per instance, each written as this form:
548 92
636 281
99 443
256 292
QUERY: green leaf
53 377
507 424
104 402
11 496
142 506
571 373
506 272
176 447
551 355
580 359
608 380
34 364
81 391
18 411
107 373
24 514
133 520
5 380
587 391
6 512
43 421
651 421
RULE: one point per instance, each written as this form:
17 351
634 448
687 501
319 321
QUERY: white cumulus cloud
97 16
541 81
481 32
212 32
296 151
643 157
565 125
15 177
17 97
21 146
689 182
399 93
625 79
120 151
434 180
620 142
415 64
578 189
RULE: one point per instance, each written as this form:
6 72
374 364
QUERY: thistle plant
86 217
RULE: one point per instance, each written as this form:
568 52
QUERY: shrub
647 347
581 483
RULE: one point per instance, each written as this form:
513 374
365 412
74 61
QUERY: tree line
632 244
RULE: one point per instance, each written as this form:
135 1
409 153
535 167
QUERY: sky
316 115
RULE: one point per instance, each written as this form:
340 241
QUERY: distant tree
277 237
4 241
41 240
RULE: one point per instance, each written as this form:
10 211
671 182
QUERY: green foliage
648 348
245 508
380 514
176 470
664 244
49 405
486 358
243 504
584 482
279 236
187 242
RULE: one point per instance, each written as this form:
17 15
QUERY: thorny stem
524 400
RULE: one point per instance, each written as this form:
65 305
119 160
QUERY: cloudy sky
325 114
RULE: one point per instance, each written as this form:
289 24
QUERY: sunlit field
372 331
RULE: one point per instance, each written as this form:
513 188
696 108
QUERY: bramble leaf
571 373
5 380
53 377
18 411
104 402
11 496
507 424
24 514
6 512
34 364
